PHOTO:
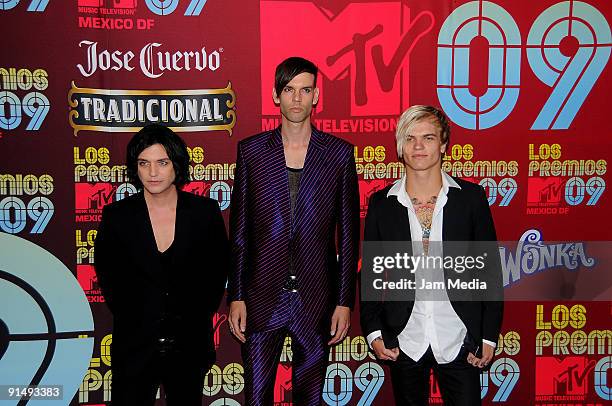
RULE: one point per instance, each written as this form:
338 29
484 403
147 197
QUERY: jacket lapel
314 169
182 228
399 222
145 239
277 168
456 232
452 213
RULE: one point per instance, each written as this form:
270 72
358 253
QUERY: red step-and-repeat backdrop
525 83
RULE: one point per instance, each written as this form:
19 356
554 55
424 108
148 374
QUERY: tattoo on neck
417 202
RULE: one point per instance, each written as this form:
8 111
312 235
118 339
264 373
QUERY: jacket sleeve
348 233
238 231
493 305
370 307
104 251
219 254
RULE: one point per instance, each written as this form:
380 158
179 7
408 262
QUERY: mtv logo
282 386
366 189
567 376
434 388
367 44
218 320
544 191
90 3
197 188
115 3
86 275
93 196
124 3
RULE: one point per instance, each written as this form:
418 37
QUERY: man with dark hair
173 145
289 69
453 334
294 228
161 260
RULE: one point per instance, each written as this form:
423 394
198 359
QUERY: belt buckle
165 345
291 284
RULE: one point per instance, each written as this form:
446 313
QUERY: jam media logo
45 320
367 44
33 5
545 192
563 377
86 275
366 189
129 110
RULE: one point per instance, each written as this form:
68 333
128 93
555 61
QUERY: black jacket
467 217
130 274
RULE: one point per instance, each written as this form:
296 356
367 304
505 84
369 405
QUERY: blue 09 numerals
568 46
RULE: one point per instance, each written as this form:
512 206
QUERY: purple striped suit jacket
263 235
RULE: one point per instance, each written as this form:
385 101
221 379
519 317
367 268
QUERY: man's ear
275 96
315 99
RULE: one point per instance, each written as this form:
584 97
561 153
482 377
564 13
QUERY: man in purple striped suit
294 227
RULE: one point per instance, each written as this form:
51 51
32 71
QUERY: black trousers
459 381
182 380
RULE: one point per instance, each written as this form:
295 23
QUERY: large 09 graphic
46 326
33 5
21 94
568 46
25 202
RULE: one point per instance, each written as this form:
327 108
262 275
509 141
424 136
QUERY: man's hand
382 352
340 323
487 355
237 319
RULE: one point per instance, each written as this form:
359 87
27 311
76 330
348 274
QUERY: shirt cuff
373 336
491 343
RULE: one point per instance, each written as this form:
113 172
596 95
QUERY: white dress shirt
432 322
